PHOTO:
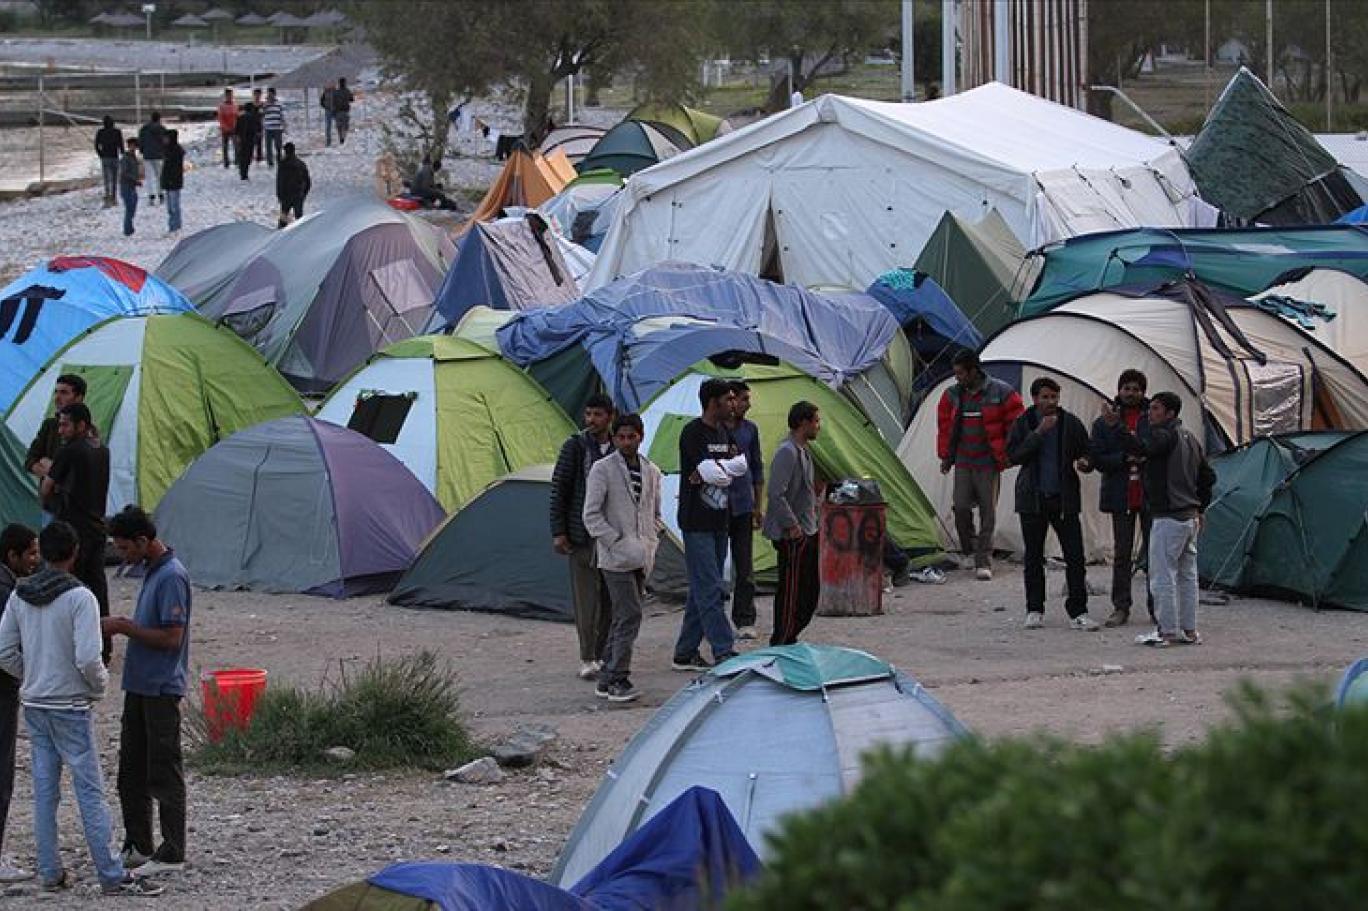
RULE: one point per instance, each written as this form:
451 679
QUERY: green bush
1270 811
393 713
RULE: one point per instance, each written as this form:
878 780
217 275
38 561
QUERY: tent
1353 685
633 145
1255 162
848 447
507 264
1358 216
162 390
1239 261
981 265
585 208
774 731
456 414
933 324
332 289
466 565
18 490
574 139
527 180
202 264
1329 305
297 505
837 191
1290 518
46 307
697 126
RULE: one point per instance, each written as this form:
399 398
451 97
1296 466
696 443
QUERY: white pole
570 98
1268 16
947 47
1001 41
1206 53
909 76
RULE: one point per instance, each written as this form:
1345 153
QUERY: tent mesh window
380 415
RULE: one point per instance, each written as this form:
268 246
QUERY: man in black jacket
1123 488
152 144
173 179
109 146
593 608
292 185
247 130
1051 446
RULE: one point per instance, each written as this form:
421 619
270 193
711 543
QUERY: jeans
275 140
58 737
109 170
151 768
593 611
9 738
260 145
1123 562
130 204
800 585
173 210
228 142
626 591
1069 530
154 169
742 538
705 554
976 488
327 127
1173 574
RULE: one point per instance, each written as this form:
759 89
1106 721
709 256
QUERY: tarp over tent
46 307
774 731
18 489
200 265
1329 305
455 413
527 180
926 313
981 265
1254 161
584 209
507 264
333 288
632 146
297 505
837 191
162 390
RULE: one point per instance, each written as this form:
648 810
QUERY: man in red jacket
227 122
972 422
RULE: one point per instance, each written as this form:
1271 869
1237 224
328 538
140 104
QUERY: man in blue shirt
744 496
155 670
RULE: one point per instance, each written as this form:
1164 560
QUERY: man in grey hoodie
50 639
18 560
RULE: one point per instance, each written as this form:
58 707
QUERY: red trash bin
850 553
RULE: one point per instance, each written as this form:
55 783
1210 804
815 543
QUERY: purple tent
297 505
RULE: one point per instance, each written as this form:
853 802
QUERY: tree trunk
1100 104
439 103
537 110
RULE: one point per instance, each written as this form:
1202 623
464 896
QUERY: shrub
393 713
1267 812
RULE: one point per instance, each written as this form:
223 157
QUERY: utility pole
1268 21
947 48
909 76
42 134
1206 54
1001 43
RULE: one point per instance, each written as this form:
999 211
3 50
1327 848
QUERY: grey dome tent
202 264
297 505
773 731
464 565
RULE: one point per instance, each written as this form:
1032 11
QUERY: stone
525 747
484 770
320 831
339 754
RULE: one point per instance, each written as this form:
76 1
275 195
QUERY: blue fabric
1357 217
34 326
472 280
163 601
1346 691
475 887
924 309
696 312
741 491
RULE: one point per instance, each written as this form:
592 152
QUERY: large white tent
839 190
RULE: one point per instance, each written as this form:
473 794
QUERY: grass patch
394 713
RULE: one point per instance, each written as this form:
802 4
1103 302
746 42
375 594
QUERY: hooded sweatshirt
50 639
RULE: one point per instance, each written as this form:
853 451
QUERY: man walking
227 123
569 537
70 388
152 144
18 560
622 514
341 110
1051 446
1178 483
292 186
130 178
258 105
744 498
1123 488
173 179
108 146
273 121
972 422
155 671
50 639
791 523
705 448
248 131
325 101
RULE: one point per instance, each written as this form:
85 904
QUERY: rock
1112 668
443 849
484 770
289 853
525 747
339 754
320 831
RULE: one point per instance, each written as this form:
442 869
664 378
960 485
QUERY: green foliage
402 712
1266 813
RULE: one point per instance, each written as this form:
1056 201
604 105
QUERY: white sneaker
1085 623
983 574
154 866
9 873
928 576
588 670
746 632
1035 620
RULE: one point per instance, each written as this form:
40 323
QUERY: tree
1119 37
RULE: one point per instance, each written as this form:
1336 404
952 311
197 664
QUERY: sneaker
601 690
1118 617
133 886
694 662
900 578
132 858
983 574
1188 637
928 576
155 866
11 873
1153 639
59 884
747 632
588 669
1035 620
1085 623
622 691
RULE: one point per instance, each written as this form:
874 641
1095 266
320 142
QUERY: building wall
1047 47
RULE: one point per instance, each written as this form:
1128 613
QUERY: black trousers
1069 529
244 156
741 540
90 569
229 143
151 768
800 583
1123 563
9 733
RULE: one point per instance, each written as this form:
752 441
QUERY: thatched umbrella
190 20
251 19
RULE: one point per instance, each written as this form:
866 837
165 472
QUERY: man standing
258 106
1178 483
622 514
1051 446
227 123
78 484
50 639
108 146
173 179
744 498
130 178
273 121
569 537
972 421
1123 488
69 388
705 445
791 523
18 560
325 101
341 110
292 185
155 670
152 144
248 132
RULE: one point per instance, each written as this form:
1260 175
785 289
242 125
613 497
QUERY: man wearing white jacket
622 515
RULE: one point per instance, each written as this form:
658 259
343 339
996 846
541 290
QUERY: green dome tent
981 265
18 492
698 126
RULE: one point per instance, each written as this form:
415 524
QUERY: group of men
56 637
1156 483
161 168
606 519
256 131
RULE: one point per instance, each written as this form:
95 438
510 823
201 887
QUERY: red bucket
230 696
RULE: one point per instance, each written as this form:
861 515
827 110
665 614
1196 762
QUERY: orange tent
528 179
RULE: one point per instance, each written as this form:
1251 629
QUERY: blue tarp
925 311
644 330
1358 216
44 309
687 857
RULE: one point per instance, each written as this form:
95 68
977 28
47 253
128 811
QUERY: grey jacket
50 639
624 529
792 494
